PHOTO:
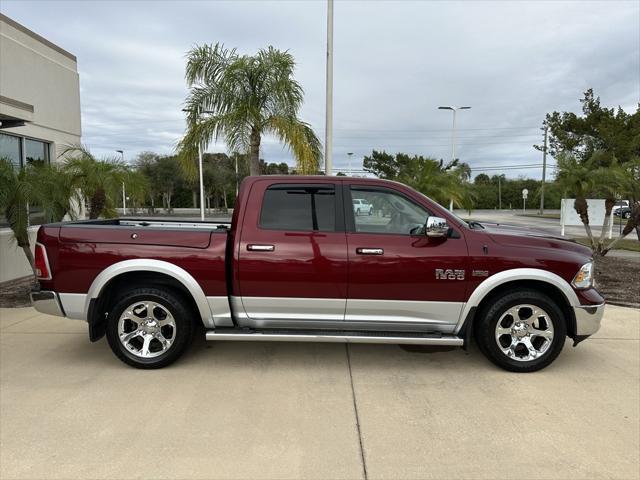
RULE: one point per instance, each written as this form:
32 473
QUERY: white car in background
362 207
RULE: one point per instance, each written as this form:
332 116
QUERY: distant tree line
170 186
446 182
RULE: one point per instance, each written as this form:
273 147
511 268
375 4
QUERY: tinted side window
300 208
388 212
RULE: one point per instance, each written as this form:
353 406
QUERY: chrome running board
335 337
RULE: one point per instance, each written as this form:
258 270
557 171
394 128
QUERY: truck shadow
292 355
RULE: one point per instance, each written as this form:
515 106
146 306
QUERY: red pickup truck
297 263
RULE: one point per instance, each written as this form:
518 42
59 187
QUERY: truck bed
80 250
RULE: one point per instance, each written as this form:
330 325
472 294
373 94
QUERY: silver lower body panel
47 302
333 338
588 318
345 314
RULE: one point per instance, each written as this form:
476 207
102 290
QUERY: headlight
584 277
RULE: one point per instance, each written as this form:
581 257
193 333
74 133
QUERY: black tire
486 323
626 215
168 299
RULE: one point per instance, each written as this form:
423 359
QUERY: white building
39 113
39 95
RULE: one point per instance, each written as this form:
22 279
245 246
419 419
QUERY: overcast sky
395 63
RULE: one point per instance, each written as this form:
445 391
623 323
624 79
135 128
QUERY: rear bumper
47 302
588 318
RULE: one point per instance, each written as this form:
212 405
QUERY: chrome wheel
524 332
146 329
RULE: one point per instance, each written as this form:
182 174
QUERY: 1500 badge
449 274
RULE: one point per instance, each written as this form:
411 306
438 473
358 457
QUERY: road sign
525 192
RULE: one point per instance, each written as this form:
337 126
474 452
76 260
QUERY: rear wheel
149 327
523 331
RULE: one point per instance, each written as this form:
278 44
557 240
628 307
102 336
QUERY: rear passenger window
299 207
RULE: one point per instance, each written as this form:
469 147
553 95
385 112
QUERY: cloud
395 63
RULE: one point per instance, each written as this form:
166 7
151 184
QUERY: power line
429 129
428 145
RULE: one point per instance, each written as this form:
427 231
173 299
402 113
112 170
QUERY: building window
22 150
36 151
11 149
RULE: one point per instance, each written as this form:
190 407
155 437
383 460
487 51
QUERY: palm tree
44 186
577 178
242 98
595 175
428 176
98 181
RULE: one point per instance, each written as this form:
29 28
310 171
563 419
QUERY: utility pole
349 154
499 192
328 125
544 168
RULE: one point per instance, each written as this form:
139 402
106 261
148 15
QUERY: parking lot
69 409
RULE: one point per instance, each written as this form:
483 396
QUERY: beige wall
39 83
13 261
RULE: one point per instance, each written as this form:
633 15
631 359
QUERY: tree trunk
194 197
582 209
608 206
254 152
98 201
224 195
632 223
27 251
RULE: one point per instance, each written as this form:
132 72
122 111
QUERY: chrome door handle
369 251
260 248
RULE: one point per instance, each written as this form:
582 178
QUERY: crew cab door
398 278
292 257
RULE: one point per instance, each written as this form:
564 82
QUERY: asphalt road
70 409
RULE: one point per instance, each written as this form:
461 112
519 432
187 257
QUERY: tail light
43 271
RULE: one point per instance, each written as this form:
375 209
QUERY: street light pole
124 196
453 137
200 168
349 154
201 181
328 125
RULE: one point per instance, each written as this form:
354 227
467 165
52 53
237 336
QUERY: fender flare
158 266
506 276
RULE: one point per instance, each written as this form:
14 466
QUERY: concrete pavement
70 409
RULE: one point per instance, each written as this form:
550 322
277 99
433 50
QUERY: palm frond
302 141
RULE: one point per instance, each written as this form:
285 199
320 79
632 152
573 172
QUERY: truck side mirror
436 227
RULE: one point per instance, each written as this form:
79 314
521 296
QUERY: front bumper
588 318
47 302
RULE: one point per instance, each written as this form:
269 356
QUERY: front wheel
524 331
149 327
626 215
